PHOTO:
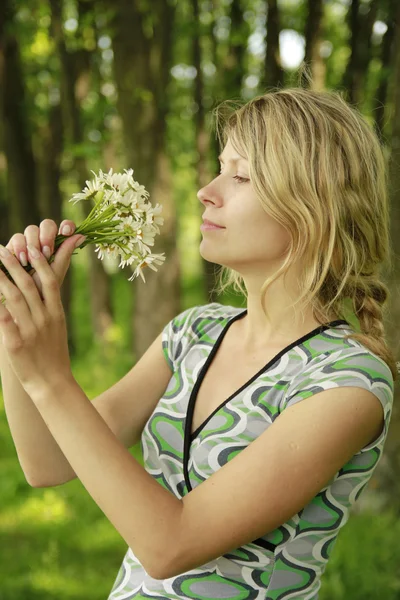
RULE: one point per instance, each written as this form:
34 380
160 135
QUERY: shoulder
192 318
351 365
187 317
341 362
190 325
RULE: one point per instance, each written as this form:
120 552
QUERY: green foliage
365 560
56 542
119 336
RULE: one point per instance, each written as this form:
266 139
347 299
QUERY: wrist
49 389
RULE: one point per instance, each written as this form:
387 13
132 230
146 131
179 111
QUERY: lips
207 222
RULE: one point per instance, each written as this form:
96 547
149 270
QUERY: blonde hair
318 169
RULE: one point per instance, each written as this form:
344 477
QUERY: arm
38 453
125 413
170 535
35 446
276 476
144 513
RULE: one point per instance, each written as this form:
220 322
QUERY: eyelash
238 179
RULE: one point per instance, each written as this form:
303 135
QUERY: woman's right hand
40 237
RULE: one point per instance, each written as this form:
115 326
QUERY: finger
62 257
47 233
31 234
21 295
67 229
9 328
67 223
50 286
17 245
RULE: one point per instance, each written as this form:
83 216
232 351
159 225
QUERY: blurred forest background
88 85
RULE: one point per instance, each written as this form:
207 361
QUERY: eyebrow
232 159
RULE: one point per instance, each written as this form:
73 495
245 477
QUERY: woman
252 434
301 193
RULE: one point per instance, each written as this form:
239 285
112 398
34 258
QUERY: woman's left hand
33 331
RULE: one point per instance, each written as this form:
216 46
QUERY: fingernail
80 241
46 251
23 259
66 230
4 253
33 251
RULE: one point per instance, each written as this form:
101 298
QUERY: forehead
229 154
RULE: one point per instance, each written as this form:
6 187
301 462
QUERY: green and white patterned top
286 563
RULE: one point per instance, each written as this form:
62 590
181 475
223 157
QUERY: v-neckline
188 436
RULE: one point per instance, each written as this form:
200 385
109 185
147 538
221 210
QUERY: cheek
258 229
266 234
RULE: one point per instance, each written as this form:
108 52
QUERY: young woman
262 425
276 415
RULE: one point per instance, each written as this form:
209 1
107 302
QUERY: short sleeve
352 367
178 334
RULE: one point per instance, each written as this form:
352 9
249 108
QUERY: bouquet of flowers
122 222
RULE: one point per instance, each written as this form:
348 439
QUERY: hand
42 236
33 330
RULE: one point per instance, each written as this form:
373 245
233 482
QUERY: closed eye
238 178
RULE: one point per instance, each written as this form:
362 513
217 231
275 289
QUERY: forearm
38 453
145 514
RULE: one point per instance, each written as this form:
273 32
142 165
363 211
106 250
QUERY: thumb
62 257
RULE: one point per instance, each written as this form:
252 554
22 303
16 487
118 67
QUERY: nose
201 195
208 193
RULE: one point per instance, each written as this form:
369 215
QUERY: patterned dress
286 563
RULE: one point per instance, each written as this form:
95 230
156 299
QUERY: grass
54 542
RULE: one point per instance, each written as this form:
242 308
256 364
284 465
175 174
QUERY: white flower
147 262
140 190
152 216
119 181
122 222
91 189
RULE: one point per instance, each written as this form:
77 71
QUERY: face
252 242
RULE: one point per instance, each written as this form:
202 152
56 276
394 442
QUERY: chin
210 255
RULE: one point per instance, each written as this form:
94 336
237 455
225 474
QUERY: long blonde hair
319 169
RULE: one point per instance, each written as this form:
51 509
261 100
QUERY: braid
369 296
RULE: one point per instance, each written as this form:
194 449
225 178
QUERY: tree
73 66
21 167
273 75
314 38
361 24
389 474
142 44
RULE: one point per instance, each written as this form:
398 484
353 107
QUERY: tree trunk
21 168
234 60
99 281
360 25
385 71
390 466
314 38
142 47
4 218
51 141
273 75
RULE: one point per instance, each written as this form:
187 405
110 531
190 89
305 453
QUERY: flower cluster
122 223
